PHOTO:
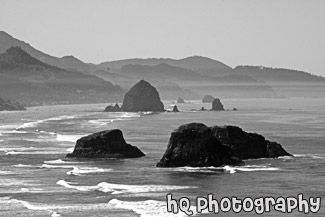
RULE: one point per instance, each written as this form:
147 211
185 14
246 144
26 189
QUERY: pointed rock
142 97
217 105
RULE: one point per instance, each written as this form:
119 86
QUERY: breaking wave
122 189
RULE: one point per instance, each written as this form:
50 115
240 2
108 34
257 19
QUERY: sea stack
208 99
180 100
142 97
175 109
194 145
247 145
197 145
217 105
105 144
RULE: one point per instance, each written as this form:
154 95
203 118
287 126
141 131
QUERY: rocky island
105 144
217 105
142 97
197 145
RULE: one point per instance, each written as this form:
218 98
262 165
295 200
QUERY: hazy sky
276 33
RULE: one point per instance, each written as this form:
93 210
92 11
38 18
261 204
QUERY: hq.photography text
259 205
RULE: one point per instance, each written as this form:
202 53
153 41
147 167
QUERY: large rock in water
7 105
197 145
194 145
105 144
247 145
217 105
142 97
208 99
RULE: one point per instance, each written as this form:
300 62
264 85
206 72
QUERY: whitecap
148 208
70 149
58 161
250 168
122 189
68 138
85 170
313 156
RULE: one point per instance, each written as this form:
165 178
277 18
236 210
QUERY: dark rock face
105 144
142 97
248 145
115 108
197 145
208 99
180 100
217 105
175 109
194 145
10 106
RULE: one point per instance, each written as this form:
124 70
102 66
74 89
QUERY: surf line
259 205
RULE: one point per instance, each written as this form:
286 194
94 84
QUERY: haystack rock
217 105
142 97
175 109
208 99
194 145
105 144
111 108
180 100
197 145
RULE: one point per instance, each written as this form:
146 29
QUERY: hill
30 81
66 62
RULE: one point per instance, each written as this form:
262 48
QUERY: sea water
37 180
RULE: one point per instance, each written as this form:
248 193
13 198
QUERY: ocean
37 180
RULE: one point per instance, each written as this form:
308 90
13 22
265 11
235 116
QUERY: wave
313 156
33 124
58 161
53 209
68 138
78 171
85 170
250 168
148 208
230 169
122 189
33 152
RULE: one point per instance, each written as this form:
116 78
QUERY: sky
275 33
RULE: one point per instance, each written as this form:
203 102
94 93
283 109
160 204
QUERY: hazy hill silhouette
167 73
25 79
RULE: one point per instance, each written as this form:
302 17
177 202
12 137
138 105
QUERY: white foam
122 189
70 149
32 152
148 208
53 210
85 170
313 156
58 161
68 138
250 168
